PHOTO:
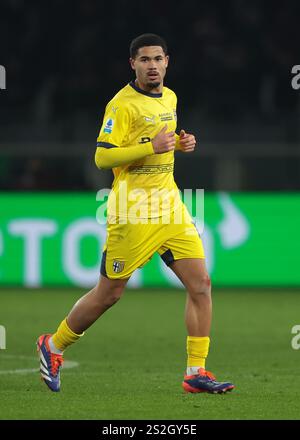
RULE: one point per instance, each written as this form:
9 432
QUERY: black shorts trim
168 257
103 265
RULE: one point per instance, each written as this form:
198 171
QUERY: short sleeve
115 126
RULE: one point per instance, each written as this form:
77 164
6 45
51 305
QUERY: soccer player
145 215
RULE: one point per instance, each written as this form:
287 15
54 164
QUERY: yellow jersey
144 188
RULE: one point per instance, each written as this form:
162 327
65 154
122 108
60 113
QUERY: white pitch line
24 371
16 356
67 364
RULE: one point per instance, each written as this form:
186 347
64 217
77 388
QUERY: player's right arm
113 134
111 156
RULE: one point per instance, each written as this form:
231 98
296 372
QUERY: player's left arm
185 142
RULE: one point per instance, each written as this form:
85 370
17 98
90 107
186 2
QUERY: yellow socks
64 336
197 351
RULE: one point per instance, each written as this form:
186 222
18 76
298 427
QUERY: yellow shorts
130 246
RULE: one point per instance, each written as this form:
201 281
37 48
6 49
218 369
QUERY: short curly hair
147 40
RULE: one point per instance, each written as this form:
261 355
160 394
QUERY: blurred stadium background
230 65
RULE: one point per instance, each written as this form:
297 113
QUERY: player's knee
110 302
113 296
108 294
200 287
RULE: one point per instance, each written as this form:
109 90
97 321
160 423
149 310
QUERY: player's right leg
128 247
92 305
84 313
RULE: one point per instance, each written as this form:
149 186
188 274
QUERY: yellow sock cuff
197 350
64 336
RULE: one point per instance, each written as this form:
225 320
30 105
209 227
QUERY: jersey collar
152 95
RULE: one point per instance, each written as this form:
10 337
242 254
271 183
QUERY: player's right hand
164 142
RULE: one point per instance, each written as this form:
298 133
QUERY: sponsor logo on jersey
148 119
108 126
166 116
151 169
118 266
144 139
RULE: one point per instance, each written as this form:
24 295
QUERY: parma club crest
118 266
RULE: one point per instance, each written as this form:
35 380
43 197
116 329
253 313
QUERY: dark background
230 66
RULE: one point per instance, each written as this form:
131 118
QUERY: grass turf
132 360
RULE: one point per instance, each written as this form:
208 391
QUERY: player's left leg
192 272
183 252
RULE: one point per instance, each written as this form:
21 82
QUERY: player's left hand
187 142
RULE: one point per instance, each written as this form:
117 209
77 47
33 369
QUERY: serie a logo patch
118 266
108 126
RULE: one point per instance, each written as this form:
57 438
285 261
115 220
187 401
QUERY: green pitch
131 362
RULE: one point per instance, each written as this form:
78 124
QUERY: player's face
150 65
